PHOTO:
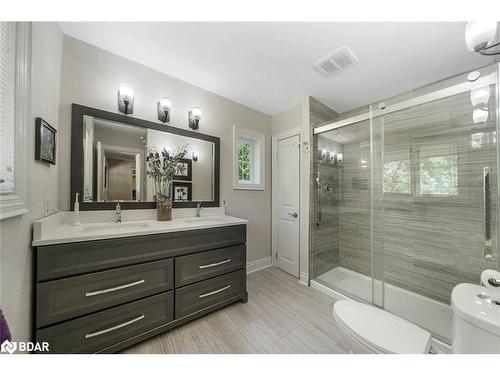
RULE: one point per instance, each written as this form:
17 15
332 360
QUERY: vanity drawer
196 267
56 261
100 330
71 297
192 298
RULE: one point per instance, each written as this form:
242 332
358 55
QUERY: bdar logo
8 347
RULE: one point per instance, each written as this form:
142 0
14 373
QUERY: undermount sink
205 220
113 227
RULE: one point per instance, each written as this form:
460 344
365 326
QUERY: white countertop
57 229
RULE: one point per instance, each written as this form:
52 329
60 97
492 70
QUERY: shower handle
488 251
295 214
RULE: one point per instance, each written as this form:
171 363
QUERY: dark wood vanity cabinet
102 296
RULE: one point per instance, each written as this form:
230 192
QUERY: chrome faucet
198 209
118 213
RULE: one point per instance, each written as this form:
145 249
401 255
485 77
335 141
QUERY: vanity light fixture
164 107
194 118
480 36
126 99
195 155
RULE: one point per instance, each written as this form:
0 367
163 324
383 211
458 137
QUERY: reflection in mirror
114 163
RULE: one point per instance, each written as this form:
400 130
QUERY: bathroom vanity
109 283
103 287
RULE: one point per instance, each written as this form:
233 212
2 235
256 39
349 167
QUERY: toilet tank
476 319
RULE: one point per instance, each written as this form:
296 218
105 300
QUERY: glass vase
163 207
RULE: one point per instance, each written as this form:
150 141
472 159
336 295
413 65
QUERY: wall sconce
126 99
195 155
194 118
479 37
164 107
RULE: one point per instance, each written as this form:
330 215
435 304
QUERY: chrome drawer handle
114 289
214 264
215 291
110 329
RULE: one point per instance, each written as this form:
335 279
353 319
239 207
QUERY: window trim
19 203
260 139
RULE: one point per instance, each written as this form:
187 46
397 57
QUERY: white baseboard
258 264
304 278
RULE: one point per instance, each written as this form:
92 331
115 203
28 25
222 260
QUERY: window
249 157
7 105
397 170
245 161
397 176
438 170
15 118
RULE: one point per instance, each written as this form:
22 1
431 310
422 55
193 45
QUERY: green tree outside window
244 162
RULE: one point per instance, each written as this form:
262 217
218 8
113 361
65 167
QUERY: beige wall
91 76
16 254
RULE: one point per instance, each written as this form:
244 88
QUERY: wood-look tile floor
281 316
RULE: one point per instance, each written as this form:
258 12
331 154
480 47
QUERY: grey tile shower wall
327 219
324 225
428 243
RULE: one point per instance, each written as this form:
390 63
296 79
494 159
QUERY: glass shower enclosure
405 198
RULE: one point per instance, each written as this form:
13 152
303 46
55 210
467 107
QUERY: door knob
294 214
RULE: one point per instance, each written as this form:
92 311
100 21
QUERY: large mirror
109 161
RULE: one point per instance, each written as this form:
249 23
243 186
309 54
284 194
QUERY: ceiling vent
339 60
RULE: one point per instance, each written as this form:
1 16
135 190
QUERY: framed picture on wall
45 141
184 170
182 191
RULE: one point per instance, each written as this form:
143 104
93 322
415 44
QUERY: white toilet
476 325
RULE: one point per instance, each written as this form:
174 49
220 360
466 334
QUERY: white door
287 208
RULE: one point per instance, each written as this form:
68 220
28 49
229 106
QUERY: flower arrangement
161 168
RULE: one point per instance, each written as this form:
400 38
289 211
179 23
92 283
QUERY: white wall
91 76
16 254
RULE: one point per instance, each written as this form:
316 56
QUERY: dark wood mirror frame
77 159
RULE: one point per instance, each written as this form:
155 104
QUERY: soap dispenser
76 212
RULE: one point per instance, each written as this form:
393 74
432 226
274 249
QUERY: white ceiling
268 66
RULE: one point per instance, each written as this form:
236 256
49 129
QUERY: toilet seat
380 331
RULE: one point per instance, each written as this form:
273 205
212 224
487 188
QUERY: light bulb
480 96
479 116
126 93
197 113
479 34
165 104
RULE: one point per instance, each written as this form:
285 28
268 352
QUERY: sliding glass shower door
405 203
342 233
